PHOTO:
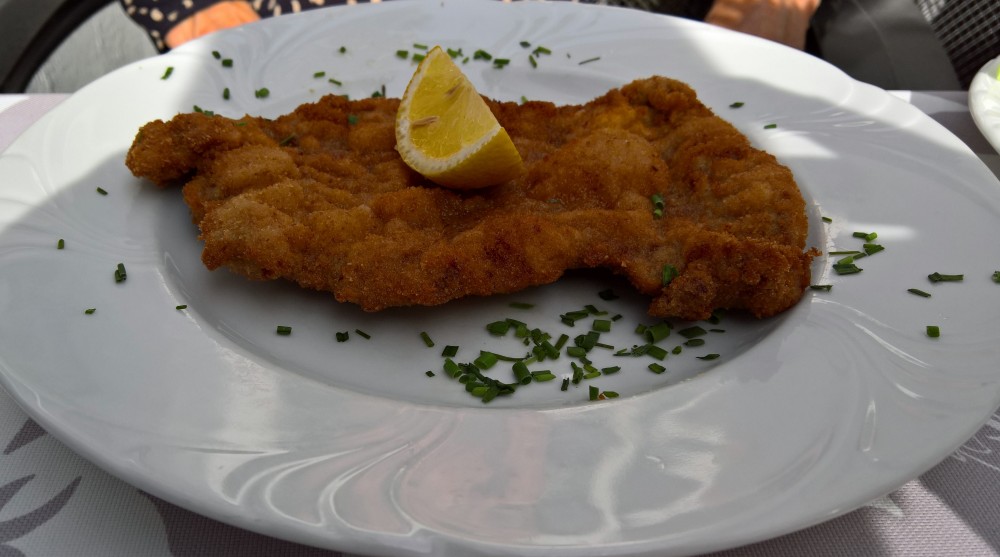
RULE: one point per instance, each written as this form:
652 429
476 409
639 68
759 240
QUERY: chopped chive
498 328
451 368
89 311
918 292
427 339
454 53
823 287
846 268
342 49
216 54
342 336
404 54
872 248
656 352
180 307
542 376
658 332
826 219
669 274
227 63
610 370
737 104
532 61
521 373
996 276
677 350
565 384
167 72
525 44
770 126
866 236
692 332
938 277
429 373
691 343
656 368
499 63
449 351
541 50
486 360
61 244
601 325
609 394
933 331
262 93
102 191
589 60
594 392
420 46
120 274
845 252
284 330
362 334
319 74
225 93
561 341
481 54
335 82
708 357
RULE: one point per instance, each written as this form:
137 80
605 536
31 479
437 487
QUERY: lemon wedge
446 132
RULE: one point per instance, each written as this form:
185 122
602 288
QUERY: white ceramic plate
984 101
351 446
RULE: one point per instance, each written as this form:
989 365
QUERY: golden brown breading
321 197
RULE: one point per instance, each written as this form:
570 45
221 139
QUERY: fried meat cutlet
320 197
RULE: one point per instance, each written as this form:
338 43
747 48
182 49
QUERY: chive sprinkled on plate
933 331
89 311
283 330
342 336
821 287
181 307
227 62
61 244
918 292
589 60
427 339
770 126
120 274
737 104
938 277
101 190
362 334
262 93
167 73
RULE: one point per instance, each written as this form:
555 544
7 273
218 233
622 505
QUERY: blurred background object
58 46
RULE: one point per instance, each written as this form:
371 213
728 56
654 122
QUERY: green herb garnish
283 330
938 277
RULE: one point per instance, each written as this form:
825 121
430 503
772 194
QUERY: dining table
54 502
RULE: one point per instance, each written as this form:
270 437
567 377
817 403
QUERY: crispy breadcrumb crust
320 197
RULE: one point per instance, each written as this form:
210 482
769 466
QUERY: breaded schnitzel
320 197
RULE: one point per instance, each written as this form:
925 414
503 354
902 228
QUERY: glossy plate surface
984 101
349 445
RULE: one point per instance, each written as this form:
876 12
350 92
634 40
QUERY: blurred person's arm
213 18
783 21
